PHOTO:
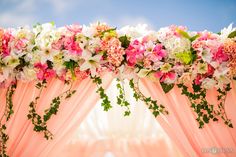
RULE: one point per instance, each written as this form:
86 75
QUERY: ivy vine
106 103
7 114
205 111
221 105
121 100
152 104
40 124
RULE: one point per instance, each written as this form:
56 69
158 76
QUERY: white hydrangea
138 31
176 45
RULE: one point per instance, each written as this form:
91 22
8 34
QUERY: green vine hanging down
106 103
152 104
7 114
205 111
221 105
121 100
40 124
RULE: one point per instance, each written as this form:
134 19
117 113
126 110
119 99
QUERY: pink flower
163 76
6 38
210 70
134 52
71 45
220 56
159 52
114 51
57 45
198 80
20 44
43 72
74 28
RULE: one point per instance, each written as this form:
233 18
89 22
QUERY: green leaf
166 87
183 34
124 41
232 34
194 37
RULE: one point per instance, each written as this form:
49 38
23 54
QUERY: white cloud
20 15
132 21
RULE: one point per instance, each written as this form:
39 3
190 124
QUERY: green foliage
9 104
4 138
183 34
199 104
124 41
71 65
205 111
7 113
40 124
151 104
106 104
121 98
194 37
221 108
166 87
232 34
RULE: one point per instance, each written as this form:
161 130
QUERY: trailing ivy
40 124
7 114
106 104
121 98
204 110
4 139
221 105
9 104
152 104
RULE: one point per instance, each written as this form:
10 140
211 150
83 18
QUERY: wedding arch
185 78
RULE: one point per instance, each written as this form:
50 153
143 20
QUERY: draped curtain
23 141
185 138
215 139
110 134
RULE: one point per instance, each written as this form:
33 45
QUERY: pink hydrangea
114 51
220 56
5 48
134 52
159 51
68 43
43 72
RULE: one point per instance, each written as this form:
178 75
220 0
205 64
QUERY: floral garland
173 56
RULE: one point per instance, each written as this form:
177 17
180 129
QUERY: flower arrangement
173 56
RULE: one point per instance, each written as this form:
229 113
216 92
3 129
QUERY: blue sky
197 15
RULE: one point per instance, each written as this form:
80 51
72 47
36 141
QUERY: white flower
90 62
134 32
46 53
220 75
176 45
89 31
163 34
11 61
208 83
28 73
202 68
226 31
206 55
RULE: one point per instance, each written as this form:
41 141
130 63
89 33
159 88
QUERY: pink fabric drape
24 142
215 139
121 148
